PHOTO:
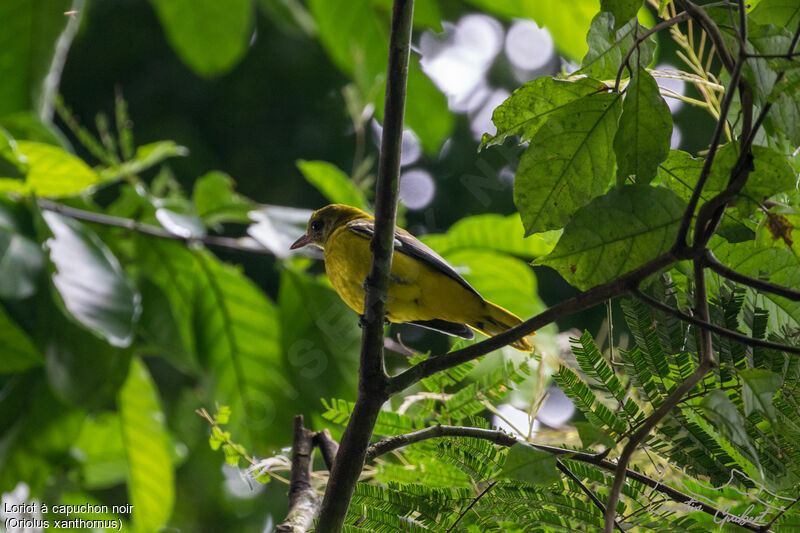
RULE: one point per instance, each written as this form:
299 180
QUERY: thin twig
146 229
735 335
471 505
591 495
372 380
328 447
768 525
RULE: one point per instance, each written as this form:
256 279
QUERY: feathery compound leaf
616 233
147 448
607 47
529 106
568 163
645 128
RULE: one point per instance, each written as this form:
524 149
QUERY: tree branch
328 447
589 494
146 229
471 505
303 501
504 439
735 335
760 284
584 300
372 382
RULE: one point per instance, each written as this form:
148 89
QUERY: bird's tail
497 320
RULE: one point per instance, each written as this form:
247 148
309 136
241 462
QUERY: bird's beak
299 243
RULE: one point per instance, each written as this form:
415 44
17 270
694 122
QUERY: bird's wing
407 244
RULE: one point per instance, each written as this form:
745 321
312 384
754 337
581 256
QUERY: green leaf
357 40
102 451
237 330
12 163
728 420
779 13
623 10
334 184
591 435
52 172
758 388
569 162
645 129
17 353
28 126
568 27
160 329
27 50
771 174
616 233
146 156
21 260
492 232
90 281
525 463
607 47
215 200
147 450
210 37
529 106
290 16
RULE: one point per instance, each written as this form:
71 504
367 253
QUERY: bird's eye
316 225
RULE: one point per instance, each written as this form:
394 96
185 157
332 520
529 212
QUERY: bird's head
324 221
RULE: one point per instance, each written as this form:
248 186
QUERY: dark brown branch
768 525
326 445
504 439
760 284
584 300
706 363
589 494
372 381
735 335
146 229
680 17
303 501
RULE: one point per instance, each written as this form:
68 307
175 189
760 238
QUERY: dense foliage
135 349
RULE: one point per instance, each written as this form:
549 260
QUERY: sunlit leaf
51 172
146 156
616 233
215 200
569 162
147 450
90 281
334 184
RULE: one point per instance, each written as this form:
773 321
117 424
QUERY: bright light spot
482 120
411 149
556 410
518 424
238 484
416 188
457 59
673 84
528 46
675 140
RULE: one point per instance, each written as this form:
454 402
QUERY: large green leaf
492 232
645 129
780 13
237 331
525 463
758 389
90 281
12 163
616 233
334 184
147 450
569 162
17 352
102 451
215 200
528 107
51 172
21 260
608 46
357 40
623 10
210 37
31 29
568 27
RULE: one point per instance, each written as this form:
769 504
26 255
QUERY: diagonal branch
372 380
504 439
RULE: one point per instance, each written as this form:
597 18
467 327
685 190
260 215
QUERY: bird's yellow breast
416 291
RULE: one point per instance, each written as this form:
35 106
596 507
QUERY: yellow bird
423 288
